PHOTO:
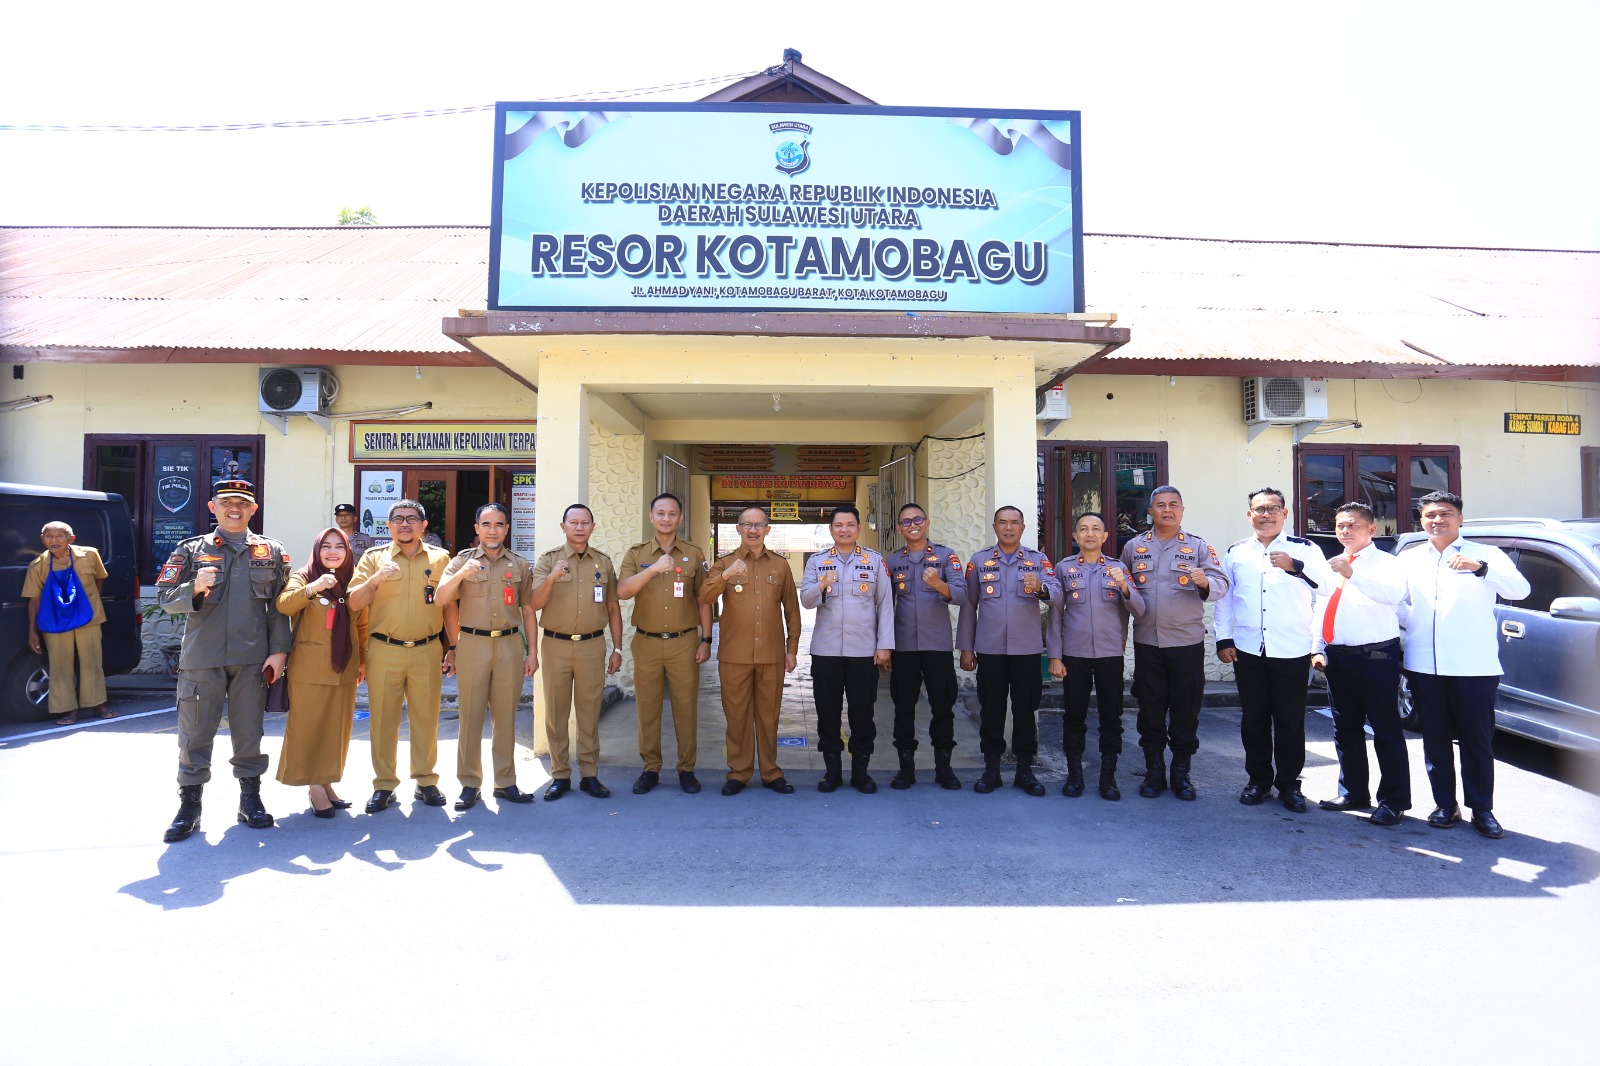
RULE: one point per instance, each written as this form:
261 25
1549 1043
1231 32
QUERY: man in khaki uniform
410 645
82 643
663 575
496 608
760 631
575 593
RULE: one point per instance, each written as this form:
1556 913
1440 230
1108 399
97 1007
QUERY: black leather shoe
323 812
1444 819
1486 825
1254 795
1293 800
1345 803
730 787
688 782
430 795
341 805
1385 815
380 800
778 785
558 788
647 780
513 794
468 800
593 787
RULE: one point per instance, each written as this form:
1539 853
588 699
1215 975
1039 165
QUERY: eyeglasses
1266 511
404 519
752 526
909 522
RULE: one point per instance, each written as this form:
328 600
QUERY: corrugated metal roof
385 289
370 289
1346 304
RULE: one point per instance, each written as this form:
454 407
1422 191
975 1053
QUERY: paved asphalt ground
920 925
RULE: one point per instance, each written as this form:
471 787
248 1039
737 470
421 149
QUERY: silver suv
1549 641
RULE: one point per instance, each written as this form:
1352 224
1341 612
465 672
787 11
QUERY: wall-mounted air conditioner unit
1284 401
288 390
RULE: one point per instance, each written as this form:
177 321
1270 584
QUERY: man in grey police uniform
234 645
1176 572
848 587
999 631
927 579
1264 630
349 523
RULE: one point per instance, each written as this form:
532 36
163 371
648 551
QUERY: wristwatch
705 640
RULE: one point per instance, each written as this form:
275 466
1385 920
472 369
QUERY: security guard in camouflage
235 644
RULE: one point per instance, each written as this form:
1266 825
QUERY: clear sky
1399 122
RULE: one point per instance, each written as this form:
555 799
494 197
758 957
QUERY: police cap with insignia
346 508
233 486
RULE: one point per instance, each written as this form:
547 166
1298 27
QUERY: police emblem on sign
174 492
793 154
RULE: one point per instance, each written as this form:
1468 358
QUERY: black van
101 521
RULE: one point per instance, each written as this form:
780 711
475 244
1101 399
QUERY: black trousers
1016 676
1272 719
911 670
1457 708
1105 676
1363 686
836 679
1169 684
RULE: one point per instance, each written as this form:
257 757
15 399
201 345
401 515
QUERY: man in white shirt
1264 629
1453 657
1357 642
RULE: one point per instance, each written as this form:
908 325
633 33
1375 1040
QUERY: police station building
789 295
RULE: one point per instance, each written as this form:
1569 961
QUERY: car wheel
25 689
1408 709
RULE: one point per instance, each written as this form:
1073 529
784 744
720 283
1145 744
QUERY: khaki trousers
200 695
751 696
672 661
411 675
90 689
488 677
574 680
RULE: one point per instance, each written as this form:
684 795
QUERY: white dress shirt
1449 614
1369 611
1268 611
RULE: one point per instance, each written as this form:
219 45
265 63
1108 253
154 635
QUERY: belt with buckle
405 643
1383 649
665 636
491 632
573 636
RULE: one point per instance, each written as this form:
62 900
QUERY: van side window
1549 578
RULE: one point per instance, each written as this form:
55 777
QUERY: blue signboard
708 207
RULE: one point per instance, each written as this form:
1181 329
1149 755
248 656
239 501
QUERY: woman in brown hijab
324 668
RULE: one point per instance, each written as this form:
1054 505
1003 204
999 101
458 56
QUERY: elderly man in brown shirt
672 638
575 593
81 644
760 630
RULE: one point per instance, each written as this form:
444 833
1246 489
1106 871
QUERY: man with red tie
1356 641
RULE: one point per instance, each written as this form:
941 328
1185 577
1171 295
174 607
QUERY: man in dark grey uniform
234 645
999 632
1176 572
927 578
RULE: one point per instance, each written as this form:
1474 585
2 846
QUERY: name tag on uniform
677 590
599 594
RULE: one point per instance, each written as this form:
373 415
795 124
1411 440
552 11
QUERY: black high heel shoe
326 812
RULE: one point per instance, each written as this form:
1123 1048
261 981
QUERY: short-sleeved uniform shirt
670 603
579 602
760 608
400 609
91 571
238 623
1174 609
921 614
492 596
